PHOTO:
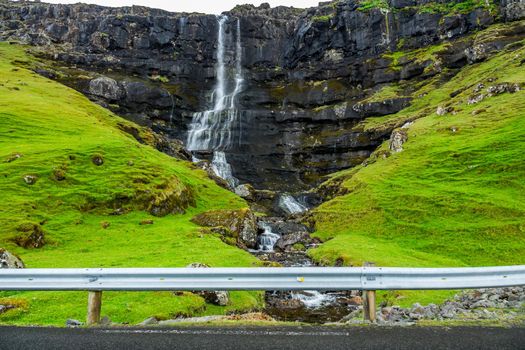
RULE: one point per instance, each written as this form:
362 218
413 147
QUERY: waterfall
182 24
214 130
223 169
289 204
267 239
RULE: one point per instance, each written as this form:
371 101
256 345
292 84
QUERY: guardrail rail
366 278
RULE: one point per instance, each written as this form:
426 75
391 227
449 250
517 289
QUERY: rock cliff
310 76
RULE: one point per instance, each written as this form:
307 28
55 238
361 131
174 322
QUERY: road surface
303 338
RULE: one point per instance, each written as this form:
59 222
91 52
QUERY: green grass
56 129
450 198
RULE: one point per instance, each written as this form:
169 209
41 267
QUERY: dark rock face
308 73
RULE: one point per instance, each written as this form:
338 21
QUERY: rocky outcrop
397 139
10 261
239 224
310 75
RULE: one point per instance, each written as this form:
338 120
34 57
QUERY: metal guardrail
300 278
366 278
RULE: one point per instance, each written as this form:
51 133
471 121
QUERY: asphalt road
303 338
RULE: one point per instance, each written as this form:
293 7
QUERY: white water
313 299
289 204
214 129
182 24
267 239
223 169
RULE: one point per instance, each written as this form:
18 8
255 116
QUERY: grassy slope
47 122
450 198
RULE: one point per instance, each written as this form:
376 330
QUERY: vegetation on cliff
454 194
81 192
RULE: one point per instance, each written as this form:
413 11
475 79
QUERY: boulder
106 88
242 224
292 238
245 191
9 260
397 139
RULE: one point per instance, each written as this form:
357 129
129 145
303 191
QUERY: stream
301 306
215 131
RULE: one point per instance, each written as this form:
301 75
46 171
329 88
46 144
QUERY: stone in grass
397 139
73 323
30 179
146 222
13 157
59 174
31 236
97 159
105 224
9 260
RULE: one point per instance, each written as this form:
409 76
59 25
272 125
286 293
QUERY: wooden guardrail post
94 307
369 300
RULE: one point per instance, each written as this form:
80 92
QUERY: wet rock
285 304
397 139
30 236
292 238
9 260
242 224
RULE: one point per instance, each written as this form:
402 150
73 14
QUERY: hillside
390 131
454 195
90 215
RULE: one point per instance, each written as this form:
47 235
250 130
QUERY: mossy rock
242 224
30 236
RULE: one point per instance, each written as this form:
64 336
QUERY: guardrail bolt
94 307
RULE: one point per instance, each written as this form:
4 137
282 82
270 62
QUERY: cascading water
214 130
218 130
267 239
289 204
223 169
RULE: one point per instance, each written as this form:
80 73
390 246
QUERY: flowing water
290 205
267 239
218 129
